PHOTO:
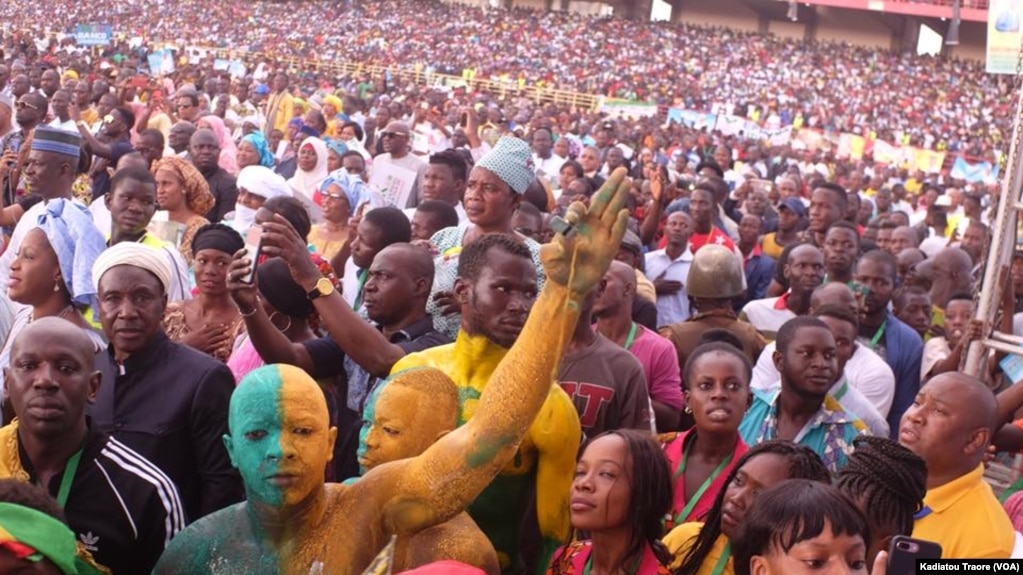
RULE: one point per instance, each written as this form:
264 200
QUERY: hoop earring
285 328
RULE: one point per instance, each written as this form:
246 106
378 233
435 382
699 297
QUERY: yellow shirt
681 539
966 520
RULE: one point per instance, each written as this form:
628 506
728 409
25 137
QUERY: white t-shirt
866 372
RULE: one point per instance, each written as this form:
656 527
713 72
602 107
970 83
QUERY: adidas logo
89 541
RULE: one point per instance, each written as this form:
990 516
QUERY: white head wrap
133 254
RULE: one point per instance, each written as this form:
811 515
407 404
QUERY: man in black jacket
167 401
122 508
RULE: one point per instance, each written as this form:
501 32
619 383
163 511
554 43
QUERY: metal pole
1001 243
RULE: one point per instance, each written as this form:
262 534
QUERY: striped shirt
122 508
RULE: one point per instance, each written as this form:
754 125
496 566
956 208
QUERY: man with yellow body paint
496 286
279 439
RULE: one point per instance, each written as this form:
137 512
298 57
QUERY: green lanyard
842 390
878 334
632 336
726 553
363 275
68 478
703 488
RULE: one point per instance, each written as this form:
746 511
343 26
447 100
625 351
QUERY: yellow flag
381 565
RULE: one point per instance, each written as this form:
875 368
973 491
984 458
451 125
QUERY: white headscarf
307 183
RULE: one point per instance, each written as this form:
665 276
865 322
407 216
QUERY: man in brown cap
715 279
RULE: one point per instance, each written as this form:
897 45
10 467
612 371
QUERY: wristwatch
323 288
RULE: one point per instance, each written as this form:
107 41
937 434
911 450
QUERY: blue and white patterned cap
48 139
512 161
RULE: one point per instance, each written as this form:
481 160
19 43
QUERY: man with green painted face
279 439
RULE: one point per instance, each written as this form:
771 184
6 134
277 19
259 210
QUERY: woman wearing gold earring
210 322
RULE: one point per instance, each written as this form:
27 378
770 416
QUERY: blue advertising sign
93 34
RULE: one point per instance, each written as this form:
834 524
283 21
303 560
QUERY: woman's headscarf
197 192
228 151
77 243
307 183
356 191
336 146
258 141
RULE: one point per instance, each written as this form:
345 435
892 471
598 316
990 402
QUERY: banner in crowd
393 183
692 118
93 34
1003 36
627 109
851 146
975 172
161 62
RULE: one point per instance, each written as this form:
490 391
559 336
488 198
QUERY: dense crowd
267 324
898 97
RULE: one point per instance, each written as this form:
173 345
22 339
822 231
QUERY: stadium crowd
943 103
282 322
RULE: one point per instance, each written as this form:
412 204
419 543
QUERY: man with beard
801 409
496 287
885 334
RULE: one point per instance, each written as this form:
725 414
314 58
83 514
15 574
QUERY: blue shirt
903 351
830 433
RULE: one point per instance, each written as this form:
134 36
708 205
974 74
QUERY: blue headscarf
338 147
77 243
258 141
356 191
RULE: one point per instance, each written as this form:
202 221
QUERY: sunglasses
21 105
393 135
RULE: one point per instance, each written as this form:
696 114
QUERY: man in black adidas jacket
122 507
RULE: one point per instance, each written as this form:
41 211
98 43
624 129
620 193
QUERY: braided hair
803 464
887 479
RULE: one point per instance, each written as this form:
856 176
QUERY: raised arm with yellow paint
280 441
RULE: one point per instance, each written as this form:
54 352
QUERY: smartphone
253 245
903 553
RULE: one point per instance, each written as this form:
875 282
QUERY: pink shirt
659 359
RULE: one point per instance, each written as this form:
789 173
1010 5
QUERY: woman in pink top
717 377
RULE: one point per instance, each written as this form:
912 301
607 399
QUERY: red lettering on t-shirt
594 398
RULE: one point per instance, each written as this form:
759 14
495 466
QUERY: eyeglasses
393 135
21 105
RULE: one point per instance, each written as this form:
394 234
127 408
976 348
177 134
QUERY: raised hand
579 261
